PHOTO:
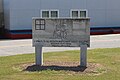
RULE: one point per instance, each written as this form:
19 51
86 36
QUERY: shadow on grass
56 68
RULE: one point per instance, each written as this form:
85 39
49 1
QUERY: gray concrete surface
24 46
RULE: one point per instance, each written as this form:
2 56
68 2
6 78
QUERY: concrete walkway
24 46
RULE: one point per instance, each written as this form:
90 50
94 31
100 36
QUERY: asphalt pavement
24 46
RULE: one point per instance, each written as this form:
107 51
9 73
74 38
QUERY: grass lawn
107 67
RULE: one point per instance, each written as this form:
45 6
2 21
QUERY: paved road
24 46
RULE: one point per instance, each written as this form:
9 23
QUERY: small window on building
54 13
83 14
45 14
40 25
74 13
79 13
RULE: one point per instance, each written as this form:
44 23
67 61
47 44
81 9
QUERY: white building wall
21 14
103 13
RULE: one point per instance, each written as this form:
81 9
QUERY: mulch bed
69 67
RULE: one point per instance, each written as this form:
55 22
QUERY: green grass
109 58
